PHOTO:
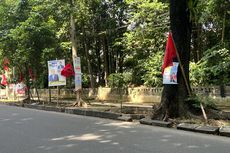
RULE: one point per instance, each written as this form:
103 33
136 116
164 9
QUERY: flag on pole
21 77
32 76
4 80
68 71
6 62
170 53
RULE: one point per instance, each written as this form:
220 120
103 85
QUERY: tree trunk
90 71
173 96
74 49
196 39
106 60
98 54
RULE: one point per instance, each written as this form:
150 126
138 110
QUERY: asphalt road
33 131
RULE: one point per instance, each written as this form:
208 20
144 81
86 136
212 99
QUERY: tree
148 21
174 96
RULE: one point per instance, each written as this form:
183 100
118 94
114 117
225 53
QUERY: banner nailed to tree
78 75
170 68
170 74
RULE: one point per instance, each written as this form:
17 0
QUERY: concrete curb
156 122
208 130
198 128
187 127
93 113
126 118
223 131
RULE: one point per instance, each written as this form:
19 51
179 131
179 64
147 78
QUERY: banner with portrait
170 74
54 77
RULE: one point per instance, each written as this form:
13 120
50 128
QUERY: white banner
78 75
78 81
77 65
55 78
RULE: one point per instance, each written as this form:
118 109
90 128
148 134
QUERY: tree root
80 103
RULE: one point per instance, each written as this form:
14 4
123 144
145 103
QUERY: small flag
68 71
6 62
31 74
5 67
21 77
4 80
170 53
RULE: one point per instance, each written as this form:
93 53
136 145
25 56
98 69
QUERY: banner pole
186 81
182 69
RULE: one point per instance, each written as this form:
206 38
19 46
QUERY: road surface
33 131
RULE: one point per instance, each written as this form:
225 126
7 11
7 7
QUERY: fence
137 94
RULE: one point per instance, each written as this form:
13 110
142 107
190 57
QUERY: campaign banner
55 78
21 89
78 81
77 65
170 74
78 75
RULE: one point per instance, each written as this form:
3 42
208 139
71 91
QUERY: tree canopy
124 38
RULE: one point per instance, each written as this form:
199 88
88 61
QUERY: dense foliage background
124 39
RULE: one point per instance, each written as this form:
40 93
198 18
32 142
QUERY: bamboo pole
186 81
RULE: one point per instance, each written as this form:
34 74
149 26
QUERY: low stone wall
136 95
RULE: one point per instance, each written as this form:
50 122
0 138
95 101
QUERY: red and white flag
170 53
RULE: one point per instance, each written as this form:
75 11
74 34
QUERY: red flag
4 80
6 62
21 78
31 74
5 67
67 71
170 53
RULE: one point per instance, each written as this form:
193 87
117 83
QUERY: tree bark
173 96
73 40
196 51
98 54
90 71
106 60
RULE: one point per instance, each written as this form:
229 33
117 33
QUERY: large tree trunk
173 96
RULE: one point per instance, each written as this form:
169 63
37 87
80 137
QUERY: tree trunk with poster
174 95
79 102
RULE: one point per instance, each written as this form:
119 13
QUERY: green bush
119 80
195 101
153 74
212 69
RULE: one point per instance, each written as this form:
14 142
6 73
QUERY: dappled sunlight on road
4 119
84 137
26 119
120 124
